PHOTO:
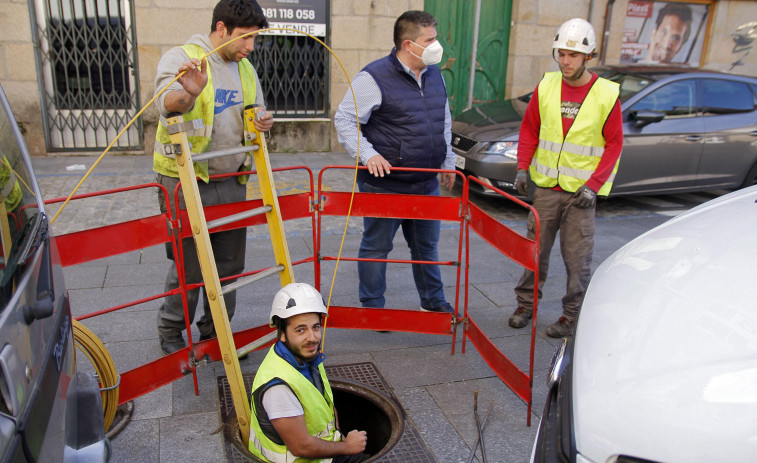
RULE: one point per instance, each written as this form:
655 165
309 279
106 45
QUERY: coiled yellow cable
98 355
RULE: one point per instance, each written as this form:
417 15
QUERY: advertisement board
664 32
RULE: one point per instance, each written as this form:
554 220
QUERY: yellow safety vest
571 161
11 190
199 138
319 409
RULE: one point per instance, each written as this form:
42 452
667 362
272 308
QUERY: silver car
685 130
49 412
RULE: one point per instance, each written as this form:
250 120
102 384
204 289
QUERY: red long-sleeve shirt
612 131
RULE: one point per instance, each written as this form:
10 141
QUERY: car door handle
694 138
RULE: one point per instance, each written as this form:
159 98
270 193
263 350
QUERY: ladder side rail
270 197
210 276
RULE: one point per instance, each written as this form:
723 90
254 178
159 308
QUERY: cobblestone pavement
59 176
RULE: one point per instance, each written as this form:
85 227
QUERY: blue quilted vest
408 128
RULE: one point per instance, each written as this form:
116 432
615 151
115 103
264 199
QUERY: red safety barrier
447 208
525 252
87 245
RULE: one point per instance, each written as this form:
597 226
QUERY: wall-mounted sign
664 32
307 16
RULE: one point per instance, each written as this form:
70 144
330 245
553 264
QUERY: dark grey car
49 412
685 130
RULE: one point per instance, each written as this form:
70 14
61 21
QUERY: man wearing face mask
405 122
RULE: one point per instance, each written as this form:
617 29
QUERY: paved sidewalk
435 388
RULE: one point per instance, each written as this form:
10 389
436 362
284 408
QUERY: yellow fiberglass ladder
255 144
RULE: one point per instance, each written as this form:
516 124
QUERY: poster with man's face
664 32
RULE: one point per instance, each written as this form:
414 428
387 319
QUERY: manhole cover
410 446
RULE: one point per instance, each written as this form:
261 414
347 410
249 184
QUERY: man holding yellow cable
214 90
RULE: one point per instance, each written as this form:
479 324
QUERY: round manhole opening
359 407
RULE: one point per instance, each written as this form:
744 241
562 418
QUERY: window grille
87 68
293 72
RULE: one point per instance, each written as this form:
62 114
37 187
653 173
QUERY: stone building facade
360 31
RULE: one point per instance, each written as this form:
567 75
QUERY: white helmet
294 299
576 35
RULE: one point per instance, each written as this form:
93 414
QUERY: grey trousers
228 250
576 226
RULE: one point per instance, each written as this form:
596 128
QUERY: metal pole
473 53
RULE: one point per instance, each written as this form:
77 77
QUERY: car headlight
508 149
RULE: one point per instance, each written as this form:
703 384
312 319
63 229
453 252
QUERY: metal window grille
293 72
87 68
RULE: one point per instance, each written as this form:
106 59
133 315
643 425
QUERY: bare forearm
319 448
178 101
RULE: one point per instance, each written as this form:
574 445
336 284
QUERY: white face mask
431 54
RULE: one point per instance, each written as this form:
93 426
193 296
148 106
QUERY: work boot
520 317
444 308
561 328
171 341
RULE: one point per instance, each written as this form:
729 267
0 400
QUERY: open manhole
363 400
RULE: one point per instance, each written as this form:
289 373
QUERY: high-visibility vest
11 189
571 160
319 409
199 138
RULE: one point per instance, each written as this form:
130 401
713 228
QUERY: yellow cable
100 358
357 156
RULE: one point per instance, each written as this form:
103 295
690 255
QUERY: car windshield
630 84
20 218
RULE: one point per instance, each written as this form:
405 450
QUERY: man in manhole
292 403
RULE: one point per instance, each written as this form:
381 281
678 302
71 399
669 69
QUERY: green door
456 27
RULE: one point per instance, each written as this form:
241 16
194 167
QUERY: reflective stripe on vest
203 109
569 162
319 409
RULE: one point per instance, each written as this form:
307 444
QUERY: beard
300 351
576 75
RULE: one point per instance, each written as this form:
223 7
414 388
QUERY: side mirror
644 118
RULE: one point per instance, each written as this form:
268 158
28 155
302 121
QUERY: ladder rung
224 152
251 279
256 344
237 217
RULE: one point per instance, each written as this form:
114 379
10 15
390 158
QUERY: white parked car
663 365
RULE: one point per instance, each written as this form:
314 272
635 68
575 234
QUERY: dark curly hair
238 13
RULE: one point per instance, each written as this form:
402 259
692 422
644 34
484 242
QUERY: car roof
666 338
659 71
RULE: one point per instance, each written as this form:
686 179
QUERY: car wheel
751 177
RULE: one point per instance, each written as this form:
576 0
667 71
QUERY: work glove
584 197
521 182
